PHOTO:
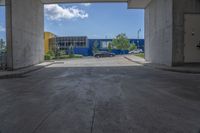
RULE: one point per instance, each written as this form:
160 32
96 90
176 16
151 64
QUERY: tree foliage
110 47
95 48
71 51
121 42
132 47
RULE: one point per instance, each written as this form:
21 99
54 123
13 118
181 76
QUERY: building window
104 44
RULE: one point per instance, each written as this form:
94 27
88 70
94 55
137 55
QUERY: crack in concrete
43 120
93 117
46 117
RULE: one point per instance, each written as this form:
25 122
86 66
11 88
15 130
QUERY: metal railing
3 60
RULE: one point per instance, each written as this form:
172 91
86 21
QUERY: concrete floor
110 95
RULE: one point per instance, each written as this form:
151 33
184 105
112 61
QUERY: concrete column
25 32
158 31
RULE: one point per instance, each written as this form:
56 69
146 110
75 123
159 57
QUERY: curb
134 61
23 72
179 71
164 68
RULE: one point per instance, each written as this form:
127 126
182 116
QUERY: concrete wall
25 28
180 7
158 32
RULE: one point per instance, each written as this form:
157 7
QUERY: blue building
84 46
103 45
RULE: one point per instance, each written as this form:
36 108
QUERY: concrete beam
2 2
138 4
80 1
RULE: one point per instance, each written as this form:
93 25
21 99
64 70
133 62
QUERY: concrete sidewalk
187 68
20 72
136 59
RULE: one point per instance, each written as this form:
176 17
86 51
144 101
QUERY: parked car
104 54
136 51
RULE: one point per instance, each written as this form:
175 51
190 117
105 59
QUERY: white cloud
56 12
86 4
2 29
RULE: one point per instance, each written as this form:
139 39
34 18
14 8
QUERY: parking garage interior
126 97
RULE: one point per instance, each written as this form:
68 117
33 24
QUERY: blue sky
99 20
107 19
2 22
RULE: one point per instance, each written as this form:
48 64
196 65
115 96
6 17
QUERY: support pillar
158 32
25 33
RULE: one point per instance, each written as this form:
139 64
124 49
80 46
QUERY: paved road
127 98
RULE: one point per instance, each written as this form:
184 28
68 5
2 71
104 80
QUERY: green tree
132 47
121 42
110 47
57 52
71 51
95 48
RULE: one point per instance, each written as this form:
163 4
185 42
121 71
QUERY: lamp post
138 37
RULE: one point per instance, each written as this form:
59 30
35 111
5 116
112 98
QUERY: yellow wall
47 36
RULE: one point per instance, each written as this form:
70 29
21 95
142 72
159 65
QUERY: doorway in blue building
83 30
3 49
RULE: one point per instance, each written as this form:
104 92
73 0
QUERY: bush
132 47
51 53
47 57
60 54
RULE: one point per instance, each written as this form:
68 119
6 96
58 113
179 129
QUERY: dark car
104 54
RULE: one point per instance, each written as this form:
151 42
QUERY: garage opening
88 30
3 49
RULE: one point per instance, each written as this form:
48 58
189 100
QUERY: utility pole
138 37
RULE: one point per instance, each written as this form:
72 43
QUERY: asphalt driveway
108 95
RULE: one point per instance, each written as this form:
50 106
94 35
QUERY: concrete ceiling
131 3
138 4
80 1
2 2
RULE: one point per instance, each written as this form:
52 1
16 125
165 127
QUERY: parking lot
98 62
100 95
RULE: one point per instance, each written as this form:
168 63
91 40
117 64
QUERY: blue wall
82 51
138 42
88 50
